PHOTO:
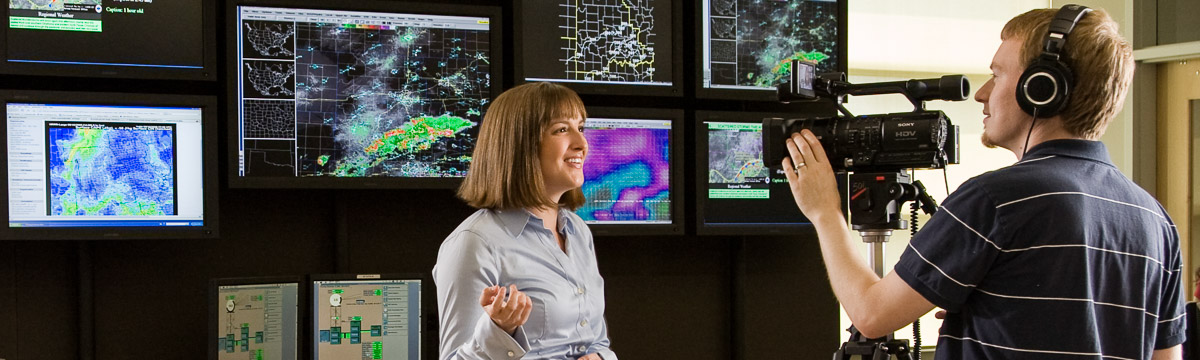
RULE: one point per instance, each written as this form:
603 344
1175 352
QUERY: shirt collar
515 220
1077 148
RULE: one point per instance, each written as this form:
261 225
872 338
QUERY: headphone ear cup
1045 86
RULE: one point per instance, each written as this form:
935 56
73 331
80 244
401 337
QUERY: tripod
875 201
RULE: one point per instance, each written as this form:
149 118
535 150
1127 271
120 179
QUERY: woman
518 279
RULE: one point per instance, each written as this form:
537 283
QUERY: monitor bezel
301 315
756 95
428 321
678 199
676 45
207 72
374 182
701 177
208 105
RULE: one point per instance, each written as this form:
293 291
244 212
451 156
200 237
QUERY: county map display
368 100
752 42
627 175
99 169
613 40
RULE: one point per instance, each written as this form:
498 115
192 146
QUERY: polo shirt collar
1076 148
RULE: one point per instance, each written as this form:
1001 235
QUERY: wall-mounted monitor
108 166
141 39
254 318
736 193
358 95
745 47
601 47
633 172
366 317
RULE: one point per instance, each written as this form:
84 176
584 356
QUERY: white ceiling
937 36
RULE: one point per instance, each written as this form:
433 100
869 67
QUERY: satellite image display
750 43
368 96
627 171
112 169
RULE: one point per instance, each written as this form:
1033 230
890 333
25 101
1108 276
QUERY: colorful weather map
752 42
627 174
111 169
361 100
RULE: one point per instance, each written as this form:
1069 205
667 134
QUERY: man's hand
592 356
508 315
811 177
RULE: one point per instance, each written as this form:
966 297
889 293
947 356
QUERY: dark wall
669 297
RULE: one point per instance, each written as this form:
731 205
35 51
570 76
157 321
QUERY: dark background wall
669 297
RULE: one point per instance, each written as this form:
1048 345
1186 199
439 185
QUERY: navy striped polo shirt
1057 256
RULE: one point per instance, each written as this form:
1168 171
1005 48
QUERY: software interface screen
749 44
741 187
257 321
598 41
357 94
627 172
139 33
97 166
367 319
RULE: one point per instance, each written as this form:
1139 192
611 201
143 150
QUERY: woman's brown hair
505 172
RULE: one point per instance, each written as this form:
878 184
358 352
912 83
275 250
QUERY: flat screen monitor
109 166
254 318
633 171
737 193
600 46
367 317
173 40
368 94
746 46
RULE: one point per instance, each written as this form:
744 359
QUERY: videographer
1056 256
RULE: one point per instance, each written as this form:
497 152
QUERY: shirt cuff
606 354
496 343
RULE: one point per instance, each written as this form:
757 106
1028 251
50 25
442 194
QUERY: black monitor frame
757 95
214 307
676 46
428 312
210 181
208 72
701 178
678 199
376 182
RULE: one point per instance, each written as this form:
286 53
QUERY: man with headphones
1056 256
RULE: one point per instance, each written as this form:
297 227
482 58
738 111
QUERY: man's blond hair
1100 59
505 169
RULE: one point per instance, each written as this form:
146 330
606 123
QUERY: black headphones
1045 85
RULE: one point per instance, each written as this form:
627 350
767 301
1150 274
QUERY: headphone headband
1064 21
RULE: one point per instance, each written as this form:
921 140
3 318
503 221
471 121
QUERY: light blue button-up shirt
502 247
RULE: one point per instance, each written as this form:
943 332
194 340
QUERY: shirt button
583 323
511 354
581 290
582 348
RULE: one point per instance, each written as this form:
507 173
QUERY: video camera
921 139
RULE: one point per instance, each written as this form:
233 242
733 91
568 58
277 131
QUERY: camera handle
875 203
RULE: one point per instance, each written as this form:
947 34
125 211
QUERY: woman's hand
592 356
811 177
510 314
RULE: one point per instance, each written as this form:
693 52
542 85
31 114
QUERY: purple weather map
627 175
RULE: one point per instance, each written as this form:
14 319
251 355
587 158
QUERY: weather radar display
598 41
749 44
359 94
627 173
